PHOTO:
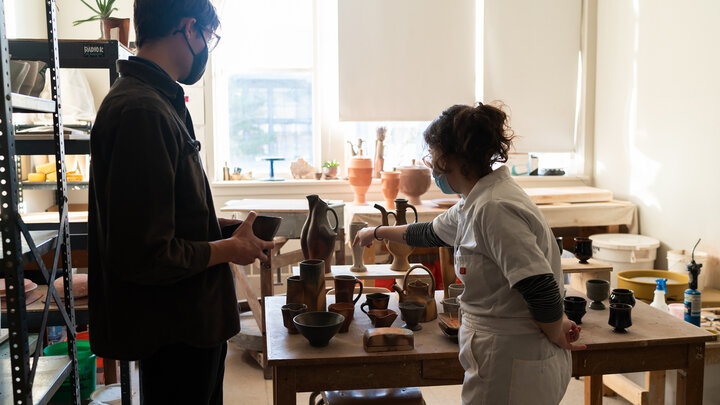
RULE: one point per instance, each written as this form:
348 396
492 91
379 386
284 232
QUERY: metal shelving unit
29 378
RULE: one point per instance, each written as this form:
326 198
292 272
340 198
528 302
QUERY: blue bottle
692 295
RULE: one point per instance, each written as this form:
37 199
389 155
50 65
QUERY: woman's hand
563 333
364 237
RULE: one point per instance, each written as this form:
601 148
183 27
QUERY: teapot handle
415 211
394 216
419 266
337 221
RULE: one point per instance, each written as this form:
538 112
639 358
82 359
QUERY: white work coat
500 237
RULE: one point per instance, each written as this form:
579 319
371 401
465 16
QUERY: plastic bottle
693 300
660 291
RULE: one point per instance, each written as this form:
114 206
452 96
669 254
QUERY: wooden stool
382 396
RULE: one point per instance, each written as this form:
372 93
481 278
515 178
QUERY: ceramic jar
360 177
390 186
317 238
414 182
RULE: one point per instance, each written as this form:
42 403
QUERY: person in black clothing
161 290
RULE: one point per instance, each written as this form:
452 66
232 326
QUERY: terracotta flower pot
390 187
122 25
414 182
360 176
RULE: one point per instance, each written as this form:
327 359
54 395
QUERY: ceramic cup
454 290
575 308
583 249
288 312
622 296
598 291
382 318
375 301
412 312
345 287
345 309
620 317
451 306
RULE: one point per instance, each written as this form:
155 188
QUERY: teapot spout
399 290
384 214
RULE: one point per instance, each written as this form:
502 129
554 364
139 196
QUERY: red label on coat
462 270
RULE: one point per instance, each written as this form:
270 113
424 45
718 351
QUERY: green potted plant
330 168
103 10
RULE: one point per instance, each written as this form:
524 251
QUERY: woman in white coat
515 340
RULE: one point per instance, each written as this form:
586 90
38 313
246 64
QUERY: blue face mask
442 182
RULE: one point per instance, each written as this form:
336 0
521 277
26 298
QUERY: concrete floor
244 384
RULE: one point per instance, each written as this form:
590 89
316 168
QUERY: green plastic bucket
86 365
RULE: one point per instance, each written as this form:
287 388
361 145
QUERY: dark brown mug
375 301
345 288
345 309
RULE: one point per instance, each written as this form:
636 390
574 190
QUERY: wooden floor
244 384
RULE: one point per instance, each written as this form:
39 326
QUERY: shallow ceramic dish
642 282
449 333
318 327
445 202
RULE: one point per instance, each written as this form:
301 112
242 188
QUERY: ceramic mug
345 309
575 308
345 287
598 291
454 290
289 311
375 301
622 296
583 249
620 317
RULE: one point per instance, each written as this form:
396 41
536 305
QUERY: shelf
44 241
51 372
51 185
26 104
47 146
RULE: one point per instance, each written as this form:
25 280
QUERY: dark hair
158 18
475 137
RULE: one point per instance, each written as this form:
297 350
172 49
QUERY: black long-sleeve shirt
151 217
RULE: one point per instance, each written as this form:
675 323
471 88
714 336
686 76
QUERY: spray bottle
692 295
660 291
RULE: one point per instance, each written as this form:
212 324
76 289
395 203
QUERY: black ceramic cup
622 296
597 291
375 301
583 249
620 317
264 227
559 239
575 308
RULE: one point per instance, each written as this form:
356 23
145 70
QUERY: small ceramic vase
598 291
360 177
411 313
357 251
288 312
345 309
575 308
622 296
414 182
390 187
583 249
375 301
312 275
620 318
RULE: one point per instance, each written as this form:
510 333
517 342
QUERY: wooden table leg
284 386
593 390
655 386
690 380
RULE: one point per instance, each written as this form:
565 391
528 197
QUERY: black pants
182 374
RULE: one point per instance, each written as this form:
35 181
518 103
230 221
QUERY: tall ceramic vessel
399 251
317 238
312 275
357 251
360 173
390 187
414 182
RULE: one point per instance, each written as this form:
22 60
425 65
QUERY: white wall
657 131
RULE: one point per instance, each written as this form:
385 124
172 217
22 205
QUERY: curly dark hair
475 137
157 18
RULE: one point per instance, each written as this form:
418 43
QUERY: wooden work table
656 341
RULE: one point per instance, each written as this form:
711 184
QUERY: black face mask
199 61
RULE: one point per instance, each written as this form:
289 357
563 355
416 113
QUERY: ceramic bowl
382 318
318 327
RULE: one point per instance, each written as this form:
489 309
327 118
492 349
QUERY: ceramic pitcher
317 239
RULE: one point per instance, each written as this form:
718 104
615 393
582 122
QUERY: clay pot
289 311
412 312
313 280
357 251
598 291
400 253
622 296
583 249
451 306
382 318
620 318
575 308
375 301
414 182
454 290
390 186
317 238
346 310
319 327
295 290
121 24
360 177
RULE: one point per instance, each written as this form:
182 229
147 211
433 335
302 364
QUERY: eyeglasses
427 160
212 40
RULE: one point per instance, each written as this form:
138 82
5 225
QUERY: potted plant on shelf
330 168
103 9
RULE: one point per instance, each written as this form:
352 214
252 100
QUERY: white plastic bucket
624 251
679 259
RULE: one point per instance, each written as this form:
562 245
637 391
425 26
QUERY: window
403 141
264 70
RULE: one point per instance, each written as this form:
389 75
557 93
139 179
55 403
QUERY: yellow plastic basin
642 282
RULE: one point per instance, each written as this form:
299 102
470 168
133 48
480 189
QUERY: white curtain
531 51
405 60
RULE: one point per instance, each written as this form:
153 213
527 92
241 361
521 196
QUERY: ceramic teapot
419 291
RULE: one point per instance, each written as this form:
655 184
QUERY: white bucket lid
624 241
